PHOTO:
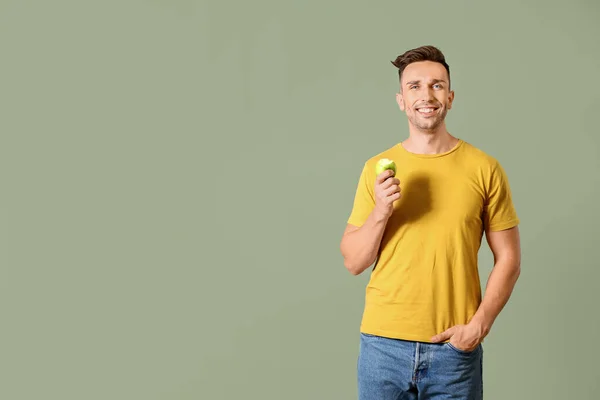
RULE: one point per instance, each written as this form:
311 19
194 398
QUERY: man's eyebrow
418 81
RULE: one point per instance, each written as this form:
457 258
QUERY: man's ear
450 99
400 101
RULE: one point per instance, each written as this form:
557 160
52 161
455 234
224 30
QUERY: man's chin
430 124
430 127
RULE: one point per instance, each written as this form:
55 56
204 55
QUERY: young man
424 318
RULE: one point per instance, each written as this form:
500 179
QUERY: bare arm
506 247
360 246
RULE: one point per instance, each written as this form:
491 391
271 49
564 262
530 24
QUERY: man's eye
437 86
413 87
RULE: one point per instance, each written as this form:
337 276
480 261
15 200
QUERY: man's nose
428 95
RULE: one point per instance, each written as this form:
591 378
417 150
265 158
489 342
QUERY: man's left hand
463 337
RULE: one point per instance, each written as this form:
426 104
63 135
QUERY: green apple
385 164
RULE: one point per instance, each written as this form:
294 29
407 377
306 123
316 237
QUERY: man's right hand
387 190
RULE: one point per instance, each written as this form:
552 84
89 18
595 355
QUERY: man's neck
429 142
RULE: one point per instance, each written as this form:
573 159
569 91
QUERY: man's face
425 95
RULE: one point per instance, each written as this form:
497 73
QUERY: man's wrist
378 216
483 325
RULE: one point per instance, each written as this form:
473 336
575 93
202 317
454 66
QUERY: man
424 318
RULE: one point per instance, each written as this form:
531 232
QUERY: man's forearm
360 247
499 288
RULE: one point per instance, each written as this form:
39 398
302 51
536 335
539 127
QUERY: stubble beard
429 125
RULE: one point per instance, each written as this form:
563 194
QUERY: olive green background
176 176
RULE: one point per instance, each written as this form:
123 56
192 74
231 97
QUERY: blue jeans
393 369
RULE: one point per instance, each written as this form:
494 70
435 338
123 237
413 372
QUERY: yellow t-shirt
426 277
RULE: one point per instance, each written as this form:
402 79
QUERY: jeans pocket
460 351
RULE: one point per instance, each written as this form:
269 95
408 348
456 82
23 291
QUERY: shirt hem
400 336
504 225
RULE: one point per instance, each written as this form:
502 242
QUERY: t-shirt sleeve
499 210
364 199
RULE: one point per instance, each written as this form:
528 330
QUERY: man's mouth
427 111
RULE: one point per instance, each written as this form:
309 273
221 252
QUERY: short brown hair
423 53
